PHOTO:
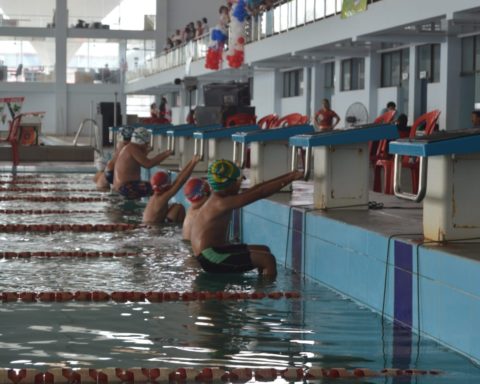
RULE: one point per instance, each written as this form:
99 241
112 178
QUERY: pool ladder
97 143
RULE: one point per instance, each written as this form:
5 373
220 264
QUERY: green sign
352 7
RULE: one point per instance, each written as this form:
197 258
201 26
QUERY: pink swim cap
160 181
195 189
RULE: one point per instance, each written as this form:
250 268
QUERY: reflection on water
320 329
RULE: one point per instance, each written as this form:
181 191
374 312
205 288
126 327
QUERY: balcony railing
284 16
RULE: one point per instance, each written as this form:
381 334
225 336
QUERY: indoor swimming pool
321 328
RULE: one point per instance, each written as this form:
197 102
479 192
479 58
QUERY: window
291 83
470 55
429 62
176 99
394 64
330 75
353 74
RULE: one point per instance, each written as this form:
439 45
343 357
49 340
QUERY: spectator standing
326 119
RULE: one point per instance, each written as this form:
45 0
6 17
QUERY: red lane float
27 255
44 199
181 375
124 296
18 189
9 228
43 212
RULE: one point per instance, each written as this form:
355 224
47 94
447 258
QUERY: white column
61 102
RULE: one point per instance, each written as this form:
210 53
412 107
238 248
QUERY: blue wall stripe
403 305
403 296
297 240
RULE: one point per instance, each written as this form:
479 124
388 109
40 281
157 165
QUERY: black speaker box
218 115
231 94
106 109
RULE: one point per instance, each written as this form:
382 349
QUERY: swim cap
221 174
141 136
160 181
126 131
195 189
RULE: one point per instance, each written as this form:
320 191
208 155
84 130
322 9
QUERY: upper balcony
297 32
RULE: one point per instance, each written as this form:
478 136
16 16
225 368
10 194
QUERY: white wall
293 105
265 96
384 95
79 103
342 100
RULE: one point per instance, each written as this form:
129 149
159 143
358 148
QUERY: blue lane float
446 163
340 163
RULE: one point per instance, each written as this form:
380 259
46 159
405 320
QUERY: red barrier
9 228
54 199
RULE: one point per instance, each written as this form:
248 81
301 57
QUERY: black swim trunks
229 258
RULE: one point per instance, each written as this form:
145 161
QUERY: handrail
283 17
422 182
98 145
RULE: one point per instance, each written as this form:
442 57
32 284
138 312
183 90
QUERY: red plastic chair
12 138
373 146
425 124
268 121
292 119
240 119
154 120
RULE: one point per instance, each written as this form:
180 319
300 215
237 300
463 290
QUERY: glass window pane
477 53
27 59
108 14
468 47
310 10
396 64
301 12
386 70
346 75
33 14
361 73
330 7
436 63
424 61
93 61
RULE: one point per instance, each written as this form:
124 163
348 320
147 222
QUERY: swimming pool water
322 328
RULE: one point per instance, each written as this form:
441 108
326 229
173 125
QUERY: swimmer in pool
104 178
210 228
158 210
197 192
130 160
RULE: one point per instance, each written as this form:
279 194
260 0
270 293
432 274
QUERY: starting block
269 152
219 142
448 187
340 163
181 142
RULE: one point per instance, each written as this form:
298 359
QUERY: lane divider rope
74 199
18 189
27 255
9 228
181 375
133 296
43 212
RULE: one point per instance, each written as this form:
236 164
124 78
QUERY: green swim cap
222 174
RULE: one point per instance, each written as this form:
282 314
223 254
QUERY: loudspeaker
233 94
106 109
219 114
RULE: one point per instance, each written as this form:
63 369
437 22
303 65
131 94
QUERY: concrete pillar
61 29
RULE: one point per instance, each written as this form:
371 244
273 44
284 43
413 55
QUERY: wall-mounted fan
357 114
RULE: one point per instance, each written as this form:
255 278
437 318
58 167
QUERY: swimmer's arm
262 190
146 162
183 176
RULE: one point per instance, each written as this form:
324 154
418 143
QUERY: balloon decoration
218 37
236 43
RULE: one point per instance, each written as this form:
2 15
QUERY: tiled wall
353 261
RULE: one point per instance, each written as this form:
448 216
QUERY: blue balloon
240 12
218 35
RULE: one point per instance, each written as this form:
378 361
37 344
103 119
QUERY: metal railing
283 17
96 140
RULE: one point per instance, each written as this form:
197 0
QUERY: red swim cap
160 181
195 189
